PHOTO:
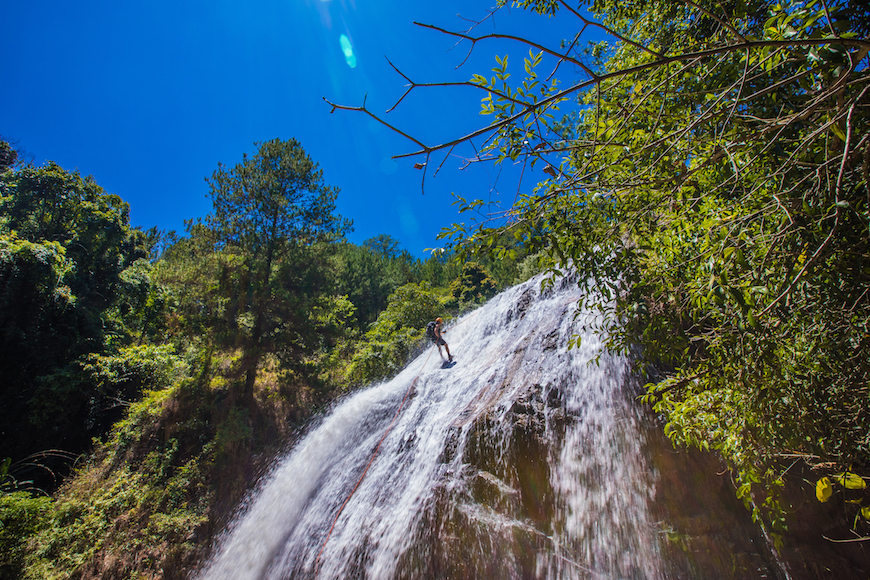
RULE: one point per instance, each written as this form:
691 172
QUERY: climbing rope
371 460
377 448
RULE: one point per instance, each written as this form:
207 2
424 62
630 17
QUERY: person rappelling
434 332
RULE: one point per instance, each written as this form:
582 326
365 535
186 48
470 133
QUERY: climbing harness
377 448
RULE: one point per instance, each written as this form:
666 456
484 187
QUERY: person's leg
449 356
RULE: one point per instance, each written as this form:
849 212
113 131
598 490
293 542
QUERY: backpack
430 330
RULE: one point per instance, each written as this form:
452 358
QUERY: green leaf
751 320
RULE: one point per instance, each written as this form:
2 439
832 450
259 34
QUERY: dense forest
149 375
707 176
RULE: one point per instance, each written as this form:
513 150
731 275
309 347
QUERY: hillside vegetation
149 377
707 174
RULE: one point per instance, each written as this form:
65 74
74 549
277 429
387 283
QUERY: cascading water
522 461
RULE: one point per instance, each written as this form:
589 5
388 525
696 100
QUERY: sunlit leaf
824 489
850 480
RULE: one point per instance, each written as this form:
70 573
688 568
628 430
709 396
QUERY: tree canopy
73 281
268 207
273 199
707 174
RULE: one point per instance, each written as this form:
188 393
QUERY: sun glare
347 49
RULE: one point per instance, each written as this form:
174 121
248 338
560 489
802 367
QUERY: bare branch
863 45
475 39
379 120
567 51
443 161
849 126
610 31
414 85
828 18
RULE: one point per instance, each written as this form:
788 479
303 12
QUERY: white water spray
426 507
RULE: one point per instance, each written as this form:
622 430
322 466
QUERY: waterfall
524 460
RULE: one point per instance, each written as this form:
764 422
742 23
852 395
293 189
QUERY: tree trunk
261 293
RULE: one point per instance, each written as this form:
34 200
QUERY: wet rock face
501 503
527 413
536 408
522 305
522 462
551 341
495 515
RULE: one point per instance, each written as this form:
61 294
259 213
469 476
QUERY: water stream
524 460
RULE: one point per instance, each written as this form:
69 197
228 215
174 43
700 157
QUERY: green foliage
142 307
275 197
94 516
272 210
134 368
853 493
440 268
8 156
361 276
396 334
138 501
33 300
711 189
71 283
332 315
49 204
531 266
234 431
473 286
81 523
383 245
21 516
140 414
122 378
368 274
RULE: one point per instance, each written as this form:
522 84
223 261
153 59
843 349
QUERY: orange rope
374 454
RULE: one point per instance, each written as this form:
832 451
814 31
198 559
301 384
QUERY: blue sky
149 97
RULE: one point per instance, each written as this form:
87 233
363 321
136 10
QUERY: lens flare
347 49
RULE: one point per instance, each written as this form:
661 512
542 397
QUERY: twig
610 31
721 22
379 120
475 39
414 85
860 539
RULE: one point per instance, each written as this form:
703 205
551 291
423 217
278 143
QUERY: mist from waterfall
524 460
